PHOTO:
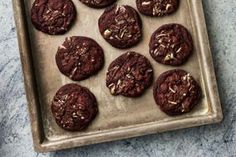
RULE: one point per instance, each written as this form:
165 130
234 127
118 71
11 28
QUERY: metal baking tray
118 117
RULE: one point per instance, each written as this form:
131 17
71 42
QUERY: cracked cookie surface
53 16
129 75
121 26
74 107
79 57
171 44
157 7
176 92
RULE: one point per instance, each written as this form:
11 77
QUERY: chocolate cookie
98 3
129 75
171 44
121 26
79 57
53 16
157 7
176 92
74 107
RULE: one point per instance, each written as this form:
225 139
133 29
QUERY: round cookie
74 107
157 7
121 26
176 92
53 16
129 75
79 57
98 3
171 44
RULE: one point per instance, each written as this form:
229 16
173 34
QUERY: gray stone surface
212 140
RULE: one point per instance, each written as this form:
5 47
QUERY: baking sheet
118 117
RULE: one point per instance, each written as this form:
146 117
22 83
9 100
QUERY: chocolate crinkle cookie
74 107
121 26
79 57
157 7
53 16
176 92
129 75
171 44
98 3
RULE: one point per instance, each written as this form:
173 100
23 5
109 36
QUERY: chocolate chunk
98 3
121 26
79 57
53 16
129 75
74 107
176 92
157 7
171 44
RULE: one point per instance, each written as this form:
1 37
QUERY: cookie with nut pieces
171 44
79 57
157 7
121 26
53 16
176 92
129 75
74 107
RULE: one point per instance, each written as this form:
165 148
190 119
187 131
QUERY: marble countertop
208 141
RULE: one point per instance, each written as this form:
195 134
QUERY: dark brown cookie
176 92
157 7
79 57
171 44
98 3
121 26
74 107
129 75
53 16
